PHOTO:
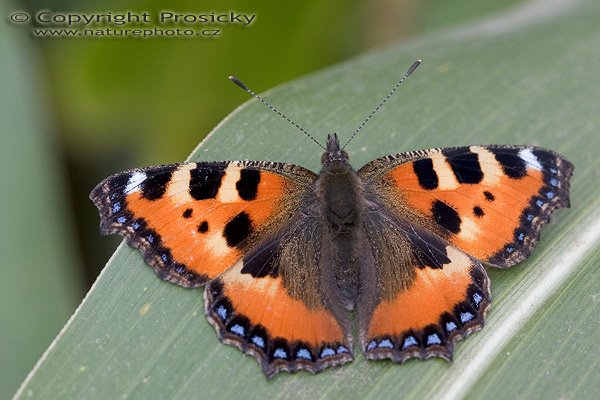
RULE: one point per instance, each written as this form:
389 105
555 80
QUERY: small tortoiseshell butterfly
287 254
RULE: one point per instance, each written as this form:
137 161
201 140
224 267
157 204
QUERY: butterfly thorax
338 188
339 194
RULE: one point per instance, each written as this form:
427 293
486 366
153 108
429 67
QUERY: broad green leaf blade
521 78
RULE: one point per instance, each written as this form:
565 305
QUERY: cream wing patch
492 171
218 244
530 158
444 172
228 192
469 229
179 188
265 285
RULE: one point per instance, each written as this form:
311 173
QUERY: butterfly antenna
406 75
266 103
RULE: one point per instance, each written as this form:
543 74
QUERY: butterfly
288 256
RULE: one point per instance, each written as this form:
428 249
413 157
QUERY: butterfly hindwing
430 294
489 201
194 220
271 304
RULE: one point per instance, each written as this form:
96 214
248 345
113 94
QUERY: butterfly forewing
489 201
194 220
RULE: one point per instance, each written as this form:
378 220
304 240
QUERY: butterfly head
334 156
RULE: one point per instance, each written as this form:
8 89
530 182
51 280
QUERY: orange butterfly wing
489 201
428 295
194 220
260 317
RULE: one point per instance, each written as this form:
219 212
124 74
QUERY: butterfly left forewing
194 220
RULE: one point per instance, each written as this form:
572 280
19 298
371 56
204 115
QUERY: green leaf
529 76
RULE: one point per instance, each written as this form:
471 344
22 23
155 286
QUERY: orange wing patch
193 220
258 316
488 201
441 306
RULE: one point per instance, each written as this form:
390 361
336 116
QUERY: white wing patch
134 184
530 158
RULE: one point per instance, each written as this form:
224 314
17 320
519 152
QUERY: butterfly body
287 256
339 193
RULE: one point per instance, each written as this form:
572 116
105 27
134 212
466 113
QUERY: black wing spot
512 165
247 186
489 196
155 185
302 352
449 324
203 227
237 229
465 165
259 337
427 176
216 288
478 211
446 216
239 326
409 340
479 276
223 309
432 336
205 181
187 213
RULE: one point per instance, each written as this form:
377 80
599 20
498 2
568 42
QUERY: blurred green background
74 111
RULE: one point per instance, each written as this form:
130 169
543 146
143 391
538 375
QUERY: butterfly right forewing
489 201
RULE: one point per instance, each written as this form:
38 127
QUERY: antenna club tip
238 82
413 67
